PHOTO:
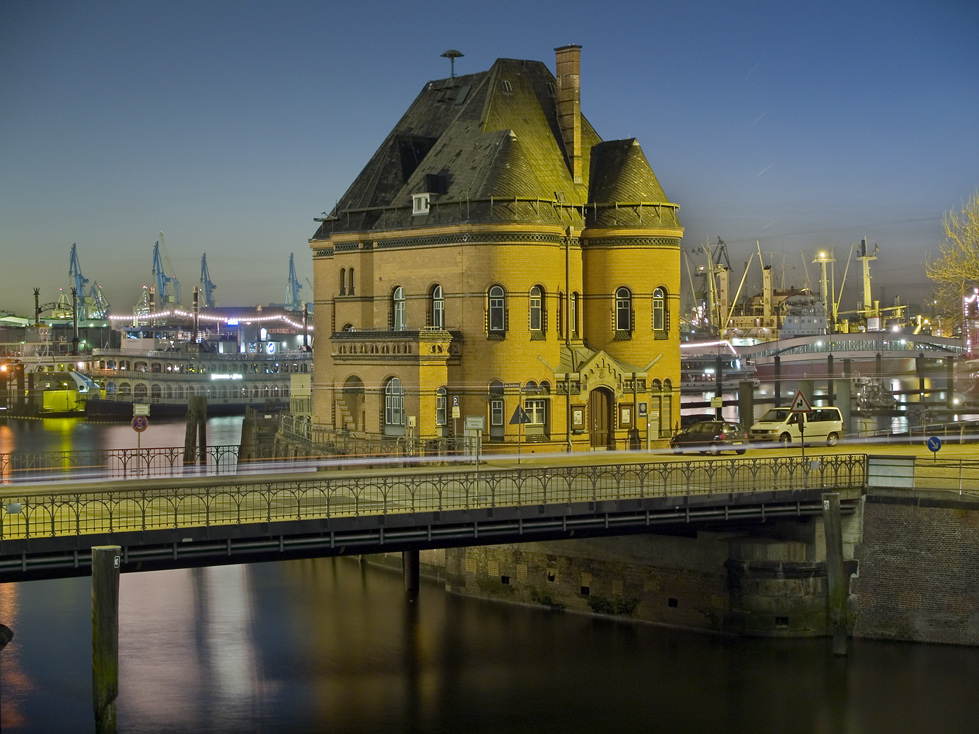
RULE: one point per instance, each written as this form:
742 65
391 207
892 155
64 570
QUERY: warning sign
800 404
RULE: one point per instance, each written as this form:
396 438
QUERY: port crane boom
207 286
162 269
293 286
92 304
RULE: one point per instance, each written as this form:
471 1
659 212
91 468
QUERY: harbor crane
708 301
207 286
292 300
163 277
93 304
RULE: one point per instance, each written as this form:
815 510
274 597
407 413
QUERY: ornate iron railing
114 463
166 504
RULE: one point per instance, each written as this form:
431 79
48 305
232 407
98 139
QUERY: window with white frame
441 407
573 315
623 310
438 308
536 308
536 410
659 310
497 310
496 412
394 403
398 309
419 204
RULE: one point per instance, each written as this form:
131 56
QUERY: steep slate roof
489 149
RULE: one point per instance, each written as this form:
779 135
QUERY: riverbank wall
910 557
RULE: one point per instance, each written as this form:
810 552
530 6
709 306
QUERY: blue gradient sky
230 125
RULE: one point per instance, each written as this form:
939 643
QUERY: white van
824 423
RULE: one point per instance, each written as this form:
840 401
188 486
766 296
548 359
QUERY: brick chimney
569 104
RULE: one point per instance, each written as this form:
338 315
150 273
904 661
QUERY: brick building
496 253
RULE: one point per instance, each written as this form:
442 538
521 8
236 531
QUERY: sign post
800 406
140 423
518 419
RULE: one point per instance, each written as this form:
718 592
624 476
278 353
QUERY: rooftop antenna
452 55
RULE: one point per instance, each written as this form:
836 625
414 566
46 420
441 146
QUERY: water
330 645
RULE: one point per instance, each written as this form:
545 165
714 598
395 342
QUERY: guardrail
161 504
22 466
961 476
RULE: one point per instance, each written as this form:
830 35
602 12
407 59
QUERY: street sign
140 423
141 408
800 404
934 443
717 402
519 416
474 422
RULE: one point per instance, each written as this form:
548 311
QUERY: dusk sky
229 126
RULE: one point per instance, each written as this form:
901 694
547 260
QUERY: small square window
419 204
671 602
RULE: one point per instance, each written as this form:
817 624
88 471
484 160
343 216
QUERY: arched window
438 308
659 310
398 309
441 404
343 281
573 314
350 286
536 308
394 404
497 310
623 310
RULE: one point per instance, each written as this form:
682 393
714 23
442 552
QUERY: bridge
165 519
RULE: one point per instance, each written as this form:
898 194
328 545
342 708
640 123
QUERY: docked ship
242 358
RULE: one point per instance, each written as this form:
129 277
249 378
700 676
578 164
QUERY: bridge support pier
837 591
411 565
105 636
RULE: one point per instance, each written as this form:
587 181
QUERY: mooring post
837 591
410 563
105 635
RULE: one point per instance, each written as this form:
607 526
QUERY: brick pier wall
918 574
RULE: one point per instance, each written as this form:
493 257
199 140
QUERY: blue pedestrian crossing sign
519 416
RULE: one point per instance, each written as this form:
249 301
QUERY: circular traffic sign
934 443
140 423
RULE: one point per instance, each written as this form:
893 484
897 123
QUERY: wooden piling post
105 635
195 442
837 591
411 564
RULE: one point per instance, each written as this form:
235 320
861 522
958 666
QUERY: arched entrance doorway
601 419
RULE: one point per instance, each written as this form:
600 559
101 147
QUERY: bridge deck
47 530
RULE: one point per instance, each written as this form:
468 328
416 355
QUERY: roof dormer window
419 204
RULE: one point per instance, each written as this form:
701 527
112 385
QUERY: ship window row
224 368
139 391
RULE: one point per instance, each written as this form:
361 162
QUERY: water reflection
77 434
331 645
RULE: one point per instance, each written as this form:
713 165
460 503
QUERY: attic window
506 86
419 204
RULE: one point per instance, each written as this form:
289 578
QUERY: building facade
496 259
